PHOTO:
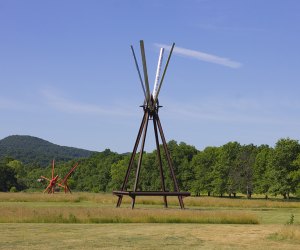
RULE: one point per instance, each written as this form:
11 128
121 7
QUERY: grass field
141 236
87 221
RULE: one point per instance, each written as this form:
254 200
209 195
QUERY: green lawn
140 236
79 221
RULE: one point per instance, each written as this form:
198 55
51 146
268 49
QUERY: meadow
89 220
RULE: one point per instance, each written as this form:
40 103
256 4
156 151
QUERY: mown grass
37 236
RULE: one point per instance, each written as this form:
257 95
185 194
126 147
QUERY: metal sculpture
64 182
52 182
150 108
56 181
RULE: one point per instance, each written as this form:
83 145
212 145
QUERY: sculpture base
151 193
164 194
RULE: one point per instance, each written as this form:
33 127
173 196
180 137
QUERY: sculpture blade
138 70
164 73
145 70
160 58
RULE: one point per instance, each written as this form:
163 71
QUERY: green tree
182 155
7 177
118 171
294 175
149 178
204 163
20 171
262 171
226 172
283 158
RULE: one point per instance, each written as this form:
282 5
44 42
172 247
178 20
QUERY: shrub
13 189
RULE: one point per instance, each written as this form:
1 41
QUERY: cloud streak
202 56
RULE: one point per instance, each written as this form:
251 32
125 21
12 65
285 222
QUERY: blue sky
67 74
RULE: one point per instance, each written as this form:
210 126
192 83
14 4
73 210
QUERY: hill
29 149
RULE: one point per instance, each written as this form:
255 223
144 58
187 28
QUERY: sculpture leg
145 117
159 160
169 161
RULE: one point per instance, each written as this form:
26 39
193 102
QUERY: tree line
226 170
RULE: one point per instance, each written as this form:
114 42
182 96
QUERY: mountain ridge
35 150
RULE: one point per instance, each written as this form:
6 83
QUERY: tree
225 172
294 175
182 156
7 177
262 171
105 160
203 164
149 178
283 159
118 171
20 171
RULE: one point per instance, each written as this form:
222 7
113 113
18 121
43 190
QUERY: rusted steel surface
137 141
148 113
145 69
151 193
163 186
57 181
150 107
137 175
134 149
169 160
139 73
64 182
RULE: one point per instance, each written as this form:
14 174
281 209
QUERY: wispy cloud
202 56
63 104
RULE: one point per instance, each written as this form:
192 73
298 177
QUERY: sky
67 74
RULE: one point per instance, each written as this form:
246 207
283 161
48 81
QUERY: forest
230 169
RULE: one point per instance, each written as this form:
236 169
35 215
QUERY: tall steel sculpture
150 108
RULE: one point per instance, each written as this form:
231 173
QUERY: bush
13 189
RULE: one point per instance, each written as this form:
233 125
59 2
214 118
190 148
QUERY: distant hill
29 149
